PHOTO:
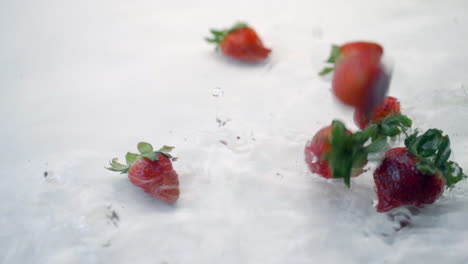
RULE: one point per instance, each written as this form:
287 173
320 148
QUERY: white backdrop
84 81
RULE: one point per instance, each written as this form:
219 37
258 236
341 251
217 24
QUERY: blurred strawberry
360 80
390 106
240 42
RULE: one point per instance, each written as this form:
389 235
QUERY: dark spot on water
237 137
403 224
113 216
402 219
174 159
222 122
224 142
107 244
384 234
45 174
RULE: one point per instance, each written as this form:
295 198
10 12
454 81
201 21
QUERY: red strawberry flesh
157 178
314 151
391 105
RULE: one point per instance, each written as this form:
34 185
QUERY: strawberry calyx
219 35
146 151
334 54
433 151
350 150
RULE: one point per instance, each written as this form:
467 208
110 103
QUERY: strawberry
360 80
416 174
152 171
335 152
240 42
327 147
390 106
398 182
314 152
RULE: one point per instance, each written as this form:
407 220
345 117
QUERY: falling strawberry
360 80
240 42
335 152
152 171
389 106
416 174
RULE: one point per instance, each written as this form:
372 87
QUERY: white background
84 81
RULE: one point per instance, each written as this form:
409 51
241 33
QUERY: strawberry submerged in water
152 171
336 152
360 80
240 42
317 150
389 106
416 174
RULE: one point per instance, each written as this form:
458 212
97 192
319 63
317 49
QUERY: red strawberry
240 42
335 152
398 182
317 150
152 171
359 80
389 106
416 174
314 151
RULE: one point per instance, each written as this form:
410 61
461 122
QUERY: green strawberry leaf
411 143
443 152
146 151
153 156
326 71
376 145
429 143
130 158
426 167
340 158
349 151
116 166
217 33
361 136
237 26
433 151
334 54
165 149
393 125
453 173
145 148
